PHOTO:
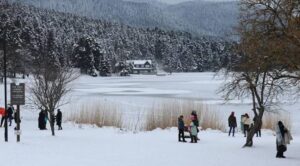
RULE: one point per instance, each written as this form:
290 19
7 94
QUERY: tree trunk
52 121
253 129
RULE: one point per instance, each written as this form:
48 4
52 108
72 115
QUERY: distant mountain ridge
201 18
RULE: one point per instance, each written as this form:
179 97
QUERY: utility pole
18 123
5 87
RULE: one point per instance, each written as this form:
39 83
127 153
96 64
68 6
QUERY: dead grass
165 115
100 113
270 120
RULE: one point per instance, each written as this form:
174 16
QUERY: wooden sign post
17 93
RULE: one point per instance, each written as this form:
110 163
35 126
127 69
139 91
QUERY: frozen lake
141 91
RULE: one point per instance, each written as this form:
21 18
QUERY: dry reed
165 115
270 120
97 113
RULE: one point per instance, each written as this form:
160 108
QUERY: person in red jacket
3 114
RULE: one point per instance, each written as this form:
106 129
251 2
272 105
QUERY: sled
186 132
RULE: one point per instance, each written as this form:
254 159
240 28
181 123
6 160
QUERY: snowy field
78 145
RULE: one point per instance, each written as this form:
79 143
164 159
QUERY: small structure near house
124 72
141 67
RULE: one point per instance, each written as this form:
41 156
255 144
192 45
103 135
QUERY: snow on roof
139 62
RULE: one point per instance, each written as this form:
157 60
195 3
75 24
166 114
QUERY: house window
140 66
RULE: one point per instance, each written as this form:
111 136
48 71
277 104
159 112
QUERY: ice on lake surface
141 91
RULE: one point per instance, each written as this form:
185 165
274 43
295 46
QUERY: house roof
139 62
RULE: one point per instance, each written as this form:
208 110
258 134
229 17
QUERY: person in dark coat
181 129
232 124
59 119
17 119
196 121
42 124
10 112
258 132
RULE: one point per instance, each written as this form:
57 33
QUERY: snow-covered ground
76 146
88 145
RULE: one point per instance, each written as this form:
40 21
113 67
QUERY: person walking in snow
247 122
283 137
59 119
181 129
232 124
193 129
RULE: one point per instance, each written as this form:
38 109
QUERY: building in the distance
141 67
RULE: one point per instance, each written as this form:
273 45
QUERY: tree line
95 46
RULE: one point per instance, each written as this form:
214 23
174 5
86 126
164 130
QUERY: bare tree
262 87
52 80
271 28
49 89
267 56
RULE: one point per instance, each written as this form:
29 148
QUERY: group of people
283 135
192 128
246 124
43 118
10 114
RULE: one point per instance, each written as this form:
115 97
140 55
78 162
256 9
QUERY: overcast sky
178 1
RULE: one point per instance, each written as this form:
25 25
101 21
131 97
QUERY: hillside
197 17
102 44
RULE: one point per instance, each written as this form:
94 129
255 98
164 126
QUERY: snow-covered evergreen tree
92 45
